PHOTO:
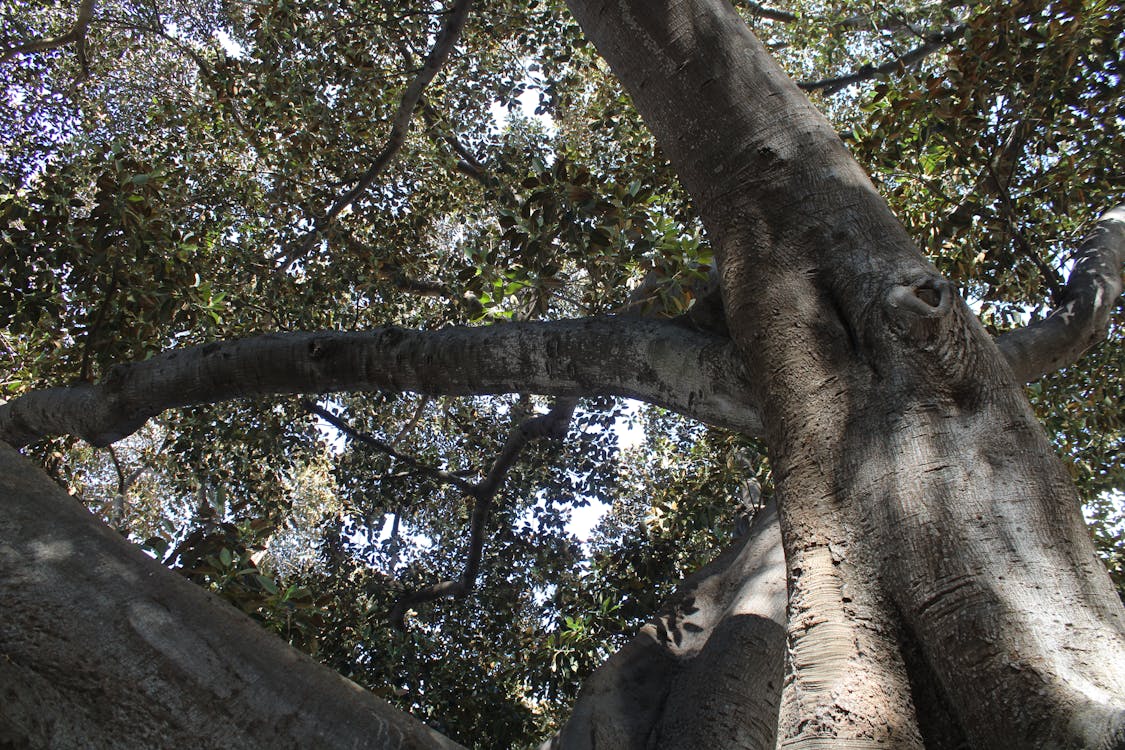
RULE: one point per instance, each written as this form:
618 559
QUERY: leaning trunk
933 542
102 647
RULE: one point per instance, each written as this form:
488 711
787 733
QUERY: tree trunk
942 590
707 671
102 647
933 541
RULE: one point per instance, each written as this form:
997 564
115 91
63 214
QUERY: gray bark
942 589
707 671
1081 319
920 501
102 647
662 363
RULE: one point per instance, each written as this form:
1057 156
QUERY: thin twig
367 439
409 427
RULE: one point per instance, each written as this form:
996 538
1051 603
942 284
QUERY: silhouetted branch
553 424
468 164
933 43
773 14
691 372
383 447
400 126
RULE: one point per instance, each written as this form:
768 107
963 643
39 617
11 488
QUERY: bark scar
927 297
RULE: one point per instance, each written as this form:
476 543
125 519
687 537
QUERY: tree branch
554 425
681 658
400 126
370 440
773 14
1082 317
77 35
690 372
933 43
468 164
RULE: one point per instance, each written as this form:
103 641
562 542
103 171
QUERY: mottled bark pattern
659 362
919 497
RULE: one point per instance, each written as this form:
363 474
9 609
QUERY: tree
938 586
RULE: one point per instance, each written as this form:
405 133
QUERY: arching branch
400 126
691 372
1083 313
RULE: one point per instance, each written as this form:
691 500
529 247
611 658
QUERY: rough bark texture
920 500
662 363
102 647
942 590
707 672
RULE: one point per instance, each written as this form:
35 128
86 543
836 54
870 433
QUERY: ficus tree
326 310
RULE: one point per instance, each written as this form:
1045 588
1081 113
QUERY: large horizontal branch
1087 301
690 372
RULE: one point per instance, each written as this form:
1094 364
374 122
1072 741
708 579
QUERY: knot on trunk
926 298
919 310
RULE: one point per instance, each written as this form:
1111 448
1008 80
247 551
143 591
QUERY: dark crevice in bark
936 721
844 322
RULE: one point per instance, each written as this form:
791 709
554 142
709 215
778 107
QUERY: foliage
152 200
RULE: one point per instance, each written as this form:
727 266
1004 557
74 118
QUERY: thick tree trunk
102 647
942 590
920 501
